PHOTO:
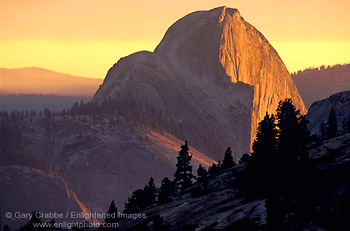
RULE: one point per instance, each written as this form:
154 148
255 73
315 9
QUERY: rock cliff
319 111
212 71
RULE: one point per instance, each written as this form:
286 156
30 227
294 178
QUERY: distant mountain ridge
35 102
35 80
318 83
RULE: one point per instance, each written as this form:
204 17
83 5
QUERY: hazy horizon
92 36
36 80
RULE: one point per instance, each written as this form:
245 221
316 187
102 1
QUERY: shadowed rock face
247 56
319 111
25 190
82 165
212 71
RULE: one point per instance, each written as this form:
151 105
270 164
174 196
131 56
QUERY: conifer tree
112 214
213 169
258 175
165 190
183 174
150 193
293 135
141 199
332 125
33 223
266 138
135 202
244 159
293 169
201 173
228 161
293 138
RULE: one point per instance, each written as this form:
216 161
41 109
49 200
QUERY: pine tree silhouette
293 168
293 135
33 223
288 170
112 214
135 202
183 175
228 159
201 173
244 159
213 169
142 199
259 173
266 140
150 193
165 190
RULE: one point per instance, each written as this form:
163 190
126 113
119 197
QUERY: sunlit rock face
247 56
213 73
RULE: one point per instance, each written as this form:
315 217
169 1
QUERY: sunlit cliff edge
214 65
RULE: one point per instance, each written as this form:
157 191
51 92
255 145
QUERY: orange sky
86 37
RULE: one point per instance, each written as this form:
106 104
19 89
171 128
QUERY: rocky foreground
223 208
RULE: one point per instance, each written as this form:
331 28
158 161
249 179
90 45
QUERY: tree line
278 169
333 69
329 129
183 180
13 140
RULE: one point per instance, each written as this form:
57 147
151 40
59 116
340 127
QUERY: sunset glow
86 38
86 58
